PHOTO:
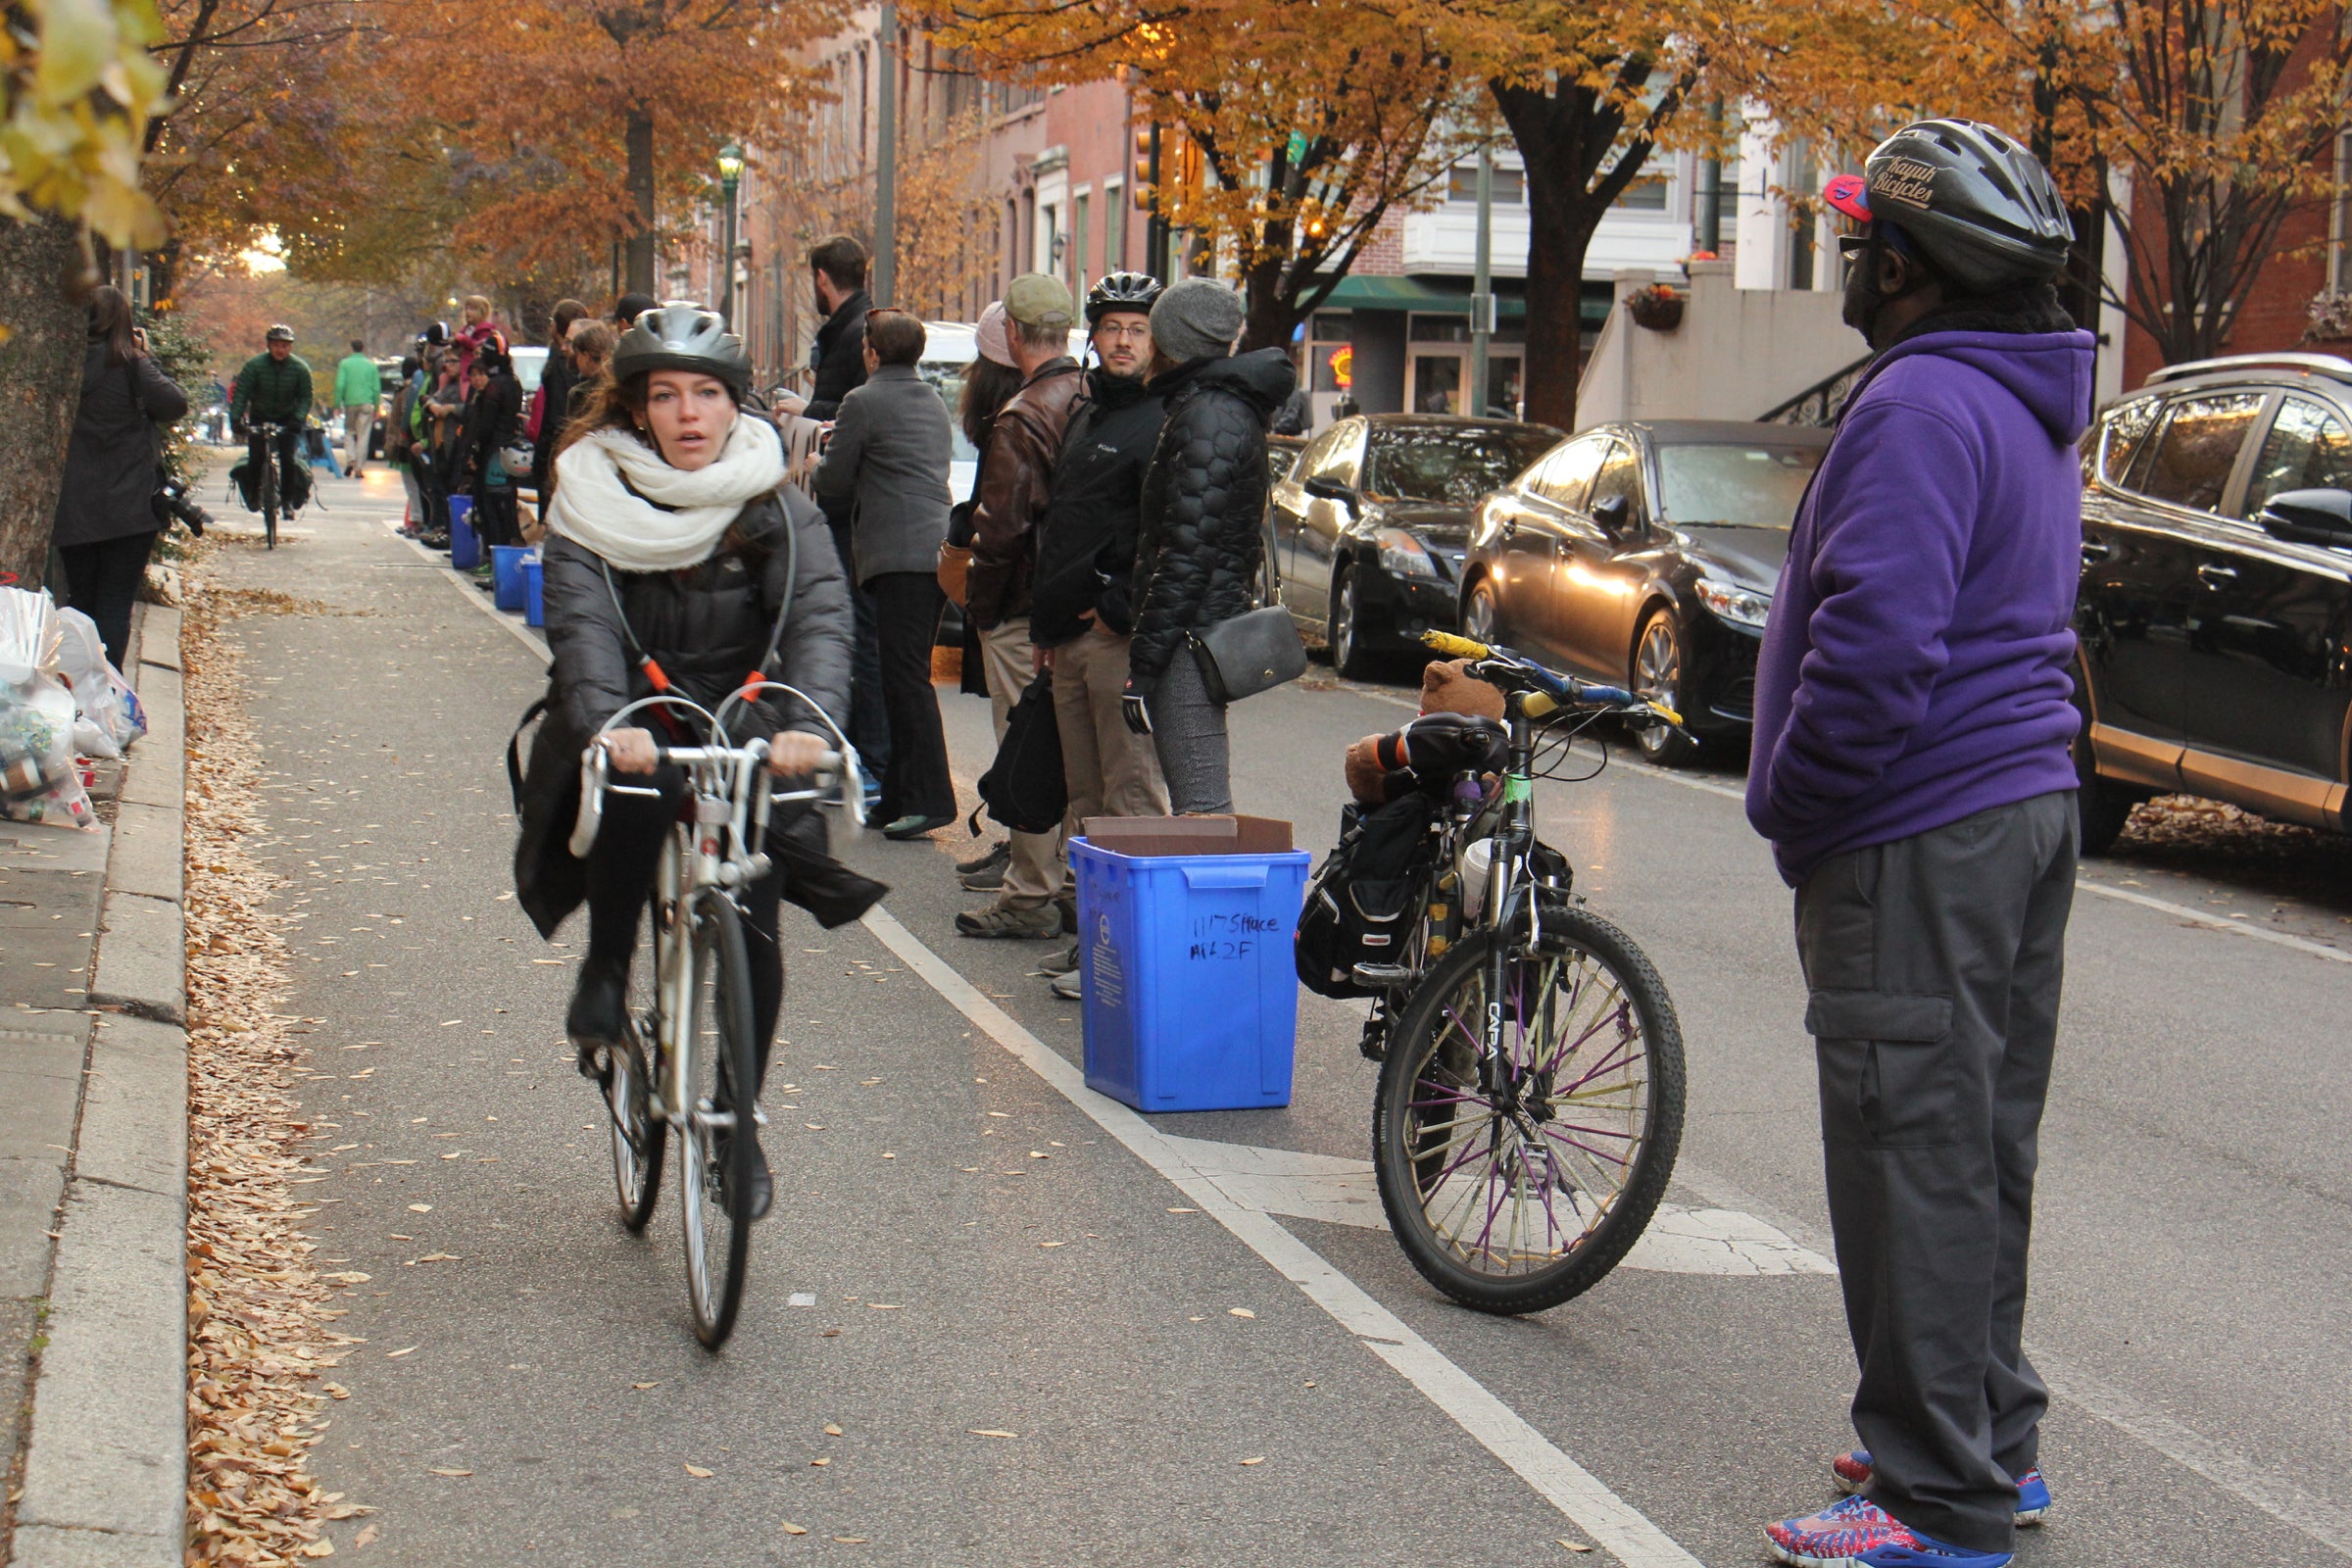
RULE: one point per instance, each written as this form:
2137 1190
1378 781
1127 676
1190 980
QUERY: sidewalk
93 1158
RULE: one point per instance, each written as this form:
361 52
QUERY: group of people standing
1116 512
460 424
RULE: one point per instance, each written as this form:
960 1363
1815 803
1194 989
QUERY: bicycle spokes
1518 1156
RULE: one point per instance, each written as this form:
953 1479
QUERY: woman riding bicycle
676 562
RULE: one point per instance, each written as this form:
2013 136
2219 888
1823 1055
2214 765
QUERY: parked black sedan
1647 554
1370 524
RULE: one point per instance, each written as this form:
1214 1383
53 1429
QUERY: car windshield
948 378
1461 463
1746 486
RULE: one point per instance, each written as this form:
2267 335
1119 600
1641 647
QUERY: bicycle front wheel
630 1085
716 1149
1518 1181
269 498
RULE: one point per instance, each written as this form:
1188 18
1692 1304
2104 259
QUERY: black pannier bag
1361 902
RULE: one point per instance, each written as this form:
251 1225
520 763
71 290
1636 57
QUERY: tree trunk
1563 207
40 384
640 278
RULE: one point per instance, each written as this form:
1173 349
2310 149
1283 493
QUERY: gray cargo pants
1935 964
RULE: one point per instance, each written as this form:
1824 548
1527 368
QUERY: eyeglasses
1141 331
1850 246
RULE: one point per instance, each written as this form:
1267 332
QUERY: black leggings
102 581
620 873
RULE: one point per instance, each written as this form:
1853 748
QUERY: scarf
615 496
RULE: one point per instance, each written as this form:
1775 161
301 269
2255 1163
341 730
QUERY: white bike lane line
1611 1522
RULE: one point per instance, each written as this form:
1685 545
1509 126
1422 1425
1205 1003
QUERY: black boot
763 1186
600 1015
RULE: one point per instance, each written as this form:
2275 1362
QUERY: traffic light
1139 179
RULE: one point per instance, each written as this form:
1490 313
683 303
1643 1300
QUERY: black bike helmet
1121 291
1976 203
684 336
281 334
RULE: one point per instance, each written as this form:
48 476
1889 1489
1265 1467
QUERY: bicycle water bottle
1478 871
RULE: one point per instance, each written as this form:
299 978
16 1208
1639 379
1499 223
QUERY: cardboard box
1150 836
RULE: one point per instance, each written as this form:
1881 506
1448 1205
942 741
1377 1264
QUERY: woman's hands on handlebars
791 755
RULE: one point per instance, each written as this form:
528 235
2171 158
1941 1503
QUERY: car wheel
1482 616
1345 632
1657 676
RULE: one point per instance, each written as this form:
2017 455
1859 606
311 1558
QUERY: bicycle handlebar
1546 687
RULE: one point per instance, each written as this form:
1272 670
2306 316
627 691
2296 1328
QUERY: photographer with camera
111 505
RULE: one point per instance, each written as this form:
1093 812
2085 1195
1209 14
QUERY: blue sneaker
1856 1533
1853 1472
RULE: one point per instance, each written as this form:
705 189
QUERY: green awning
1434 296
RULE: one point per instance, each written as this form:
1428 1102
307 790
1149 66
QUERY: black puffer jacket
707 628
1202 538
1086 544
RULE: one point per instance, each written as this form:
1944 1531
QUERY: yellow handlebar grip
1535 704
1446 642
1667 713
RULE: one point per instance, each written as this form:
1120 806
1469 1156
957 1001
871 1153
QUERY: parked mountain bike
1530 1090
690 1064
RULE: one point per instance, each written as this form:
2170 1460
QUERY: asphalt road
983 1249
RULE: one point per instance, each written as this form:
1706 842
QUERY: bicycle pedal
759 1116
1381 976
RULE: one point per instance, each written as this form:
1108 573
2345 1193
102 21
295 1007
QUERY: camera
171 501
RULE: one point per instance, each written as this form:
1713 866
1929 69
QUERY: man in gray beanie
1202 540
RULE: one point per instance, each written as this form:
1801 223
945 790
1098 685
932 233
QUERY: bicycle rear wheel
1517 1183
269 499
715 1163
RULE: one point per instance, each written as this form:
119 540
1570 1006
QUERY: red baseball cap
1849 195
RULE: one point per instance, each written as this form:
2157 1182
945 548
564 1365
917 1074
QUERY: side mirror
1611 513
1331 490
2310 517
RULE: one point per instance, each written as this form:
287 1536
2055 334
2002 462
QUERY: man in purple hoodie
1913 708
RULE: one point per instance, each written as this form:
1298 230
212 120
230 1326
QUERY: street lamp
730 171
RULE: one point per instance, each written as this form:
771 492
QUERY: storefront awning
1433 296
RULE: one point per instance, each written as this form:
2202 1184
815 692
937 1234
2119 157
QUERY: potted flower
1657 307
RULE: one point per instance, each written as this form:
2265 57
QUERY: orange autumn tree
572 124
1290 132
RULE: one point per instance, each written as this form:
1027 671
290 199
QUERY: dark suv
2215 604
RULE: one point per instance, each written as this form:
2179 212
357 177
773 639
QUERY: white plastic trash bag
38 781
108 715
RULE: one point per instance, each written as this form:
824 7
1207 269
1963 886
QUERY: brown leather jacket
1014 478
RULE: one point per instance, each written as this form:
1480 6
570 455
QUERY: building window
1461 186
1114 226
2339 218
1079 213
1644 195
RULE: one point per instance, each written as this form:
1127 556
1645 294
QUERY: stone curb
106 1461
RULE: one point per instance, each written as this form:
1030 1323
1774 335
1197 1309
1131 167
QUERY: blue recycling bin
1190 990
534 601
464 545
505 575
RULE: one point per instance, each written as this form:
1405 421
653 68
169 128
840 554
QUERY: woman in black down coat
671 544
1201 535
106 522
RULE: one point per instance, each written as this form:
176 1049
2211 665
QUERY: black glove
1137 715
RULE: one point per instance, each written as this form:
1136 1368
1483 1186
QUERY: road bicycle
1530 1105
690 1062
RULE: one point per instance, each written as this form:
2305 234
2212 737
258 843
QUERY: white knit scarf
623 524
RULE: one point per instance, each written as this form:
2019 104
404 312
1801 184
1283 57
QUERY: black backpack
1360 904
1023 789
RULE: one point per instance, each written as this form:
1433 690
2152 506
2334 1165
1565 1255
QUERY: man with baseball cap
1911 769
1016 476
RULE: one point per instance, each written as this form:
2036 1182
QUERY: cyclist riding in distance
677 560
273 388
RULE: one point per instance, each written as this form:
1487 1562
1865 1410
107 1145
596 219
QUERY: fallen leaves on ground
258 1319
699 1473
791 1529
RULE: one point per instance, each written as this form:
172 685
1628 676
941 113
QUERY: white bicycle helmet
682 335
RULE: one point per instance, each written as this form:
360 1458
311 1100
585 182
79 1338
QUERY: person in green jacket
357 386
274 388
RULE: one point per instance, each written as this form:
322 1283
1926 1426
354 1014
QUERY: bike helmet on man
684 336
281 334
1975 203
1121 291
